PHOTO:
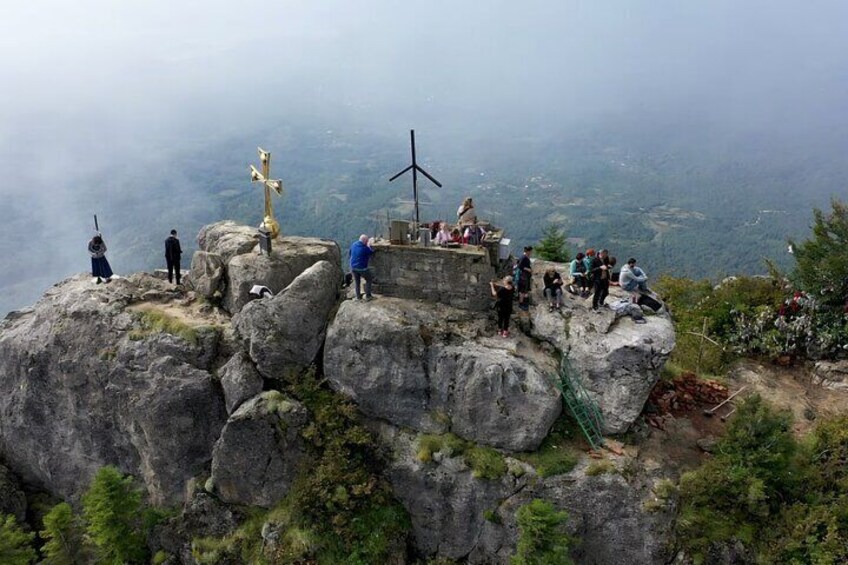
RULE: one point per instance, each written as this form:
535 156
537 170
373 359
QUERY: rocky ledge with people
177 385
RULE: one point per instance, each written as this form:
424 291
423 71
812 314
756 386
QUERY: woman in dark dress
99 265
503 305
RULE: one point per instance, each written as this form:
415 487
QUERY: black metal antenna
415 170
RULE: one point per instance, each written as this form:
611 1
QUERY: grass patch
155 321
556 455
485 462
601 467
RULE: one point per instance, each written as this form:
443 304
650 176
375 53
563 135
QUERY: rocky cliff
171 385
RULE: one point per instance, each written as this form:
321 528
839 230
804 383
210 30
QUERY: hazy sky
94 86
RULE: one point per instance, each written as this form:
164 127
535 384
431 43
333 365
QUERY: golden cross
276 185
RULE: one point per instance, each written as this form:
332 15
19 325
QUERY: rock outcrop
240 381
459 517
83 384
260 450
431 368
618 361
286 331
227 262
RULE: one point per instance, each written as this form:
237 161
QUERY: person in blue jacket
360 253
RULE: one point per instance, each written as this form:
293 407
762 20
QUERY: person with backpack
504 295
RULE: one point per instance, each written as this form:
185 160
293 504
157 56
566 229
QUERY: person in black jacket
173 251
600 270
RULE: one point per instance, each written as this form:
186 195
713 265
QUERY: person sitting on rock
444 236
504 295
473 235
456 236
553 289
633 279
360 252
577 271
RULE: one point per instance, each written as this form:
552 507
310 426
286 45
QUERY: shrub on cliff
15 543
542 537
112 508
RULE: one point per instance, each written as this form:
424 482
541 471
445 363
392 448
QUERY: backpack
516 274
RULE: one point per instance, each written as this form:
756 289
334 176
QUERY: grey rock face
12 498
429 367
287 330
291 256
605 512
617 360
76 393
259 452
227 239
207 273
445 502
239 380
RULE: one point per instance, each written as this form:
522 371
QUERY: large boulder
239 380
287 330
617 360
290 257
226 239
260 451
207 273
84 384
431 367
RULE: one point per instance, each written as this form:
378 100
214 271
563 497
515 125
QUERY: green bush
556 455
786 501
15 543
485 462
542 537
552 246
63 537
112 509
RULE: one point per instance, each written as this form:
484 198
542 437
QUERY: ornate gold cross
276 185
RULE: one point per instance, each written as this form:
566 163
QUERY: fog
98 93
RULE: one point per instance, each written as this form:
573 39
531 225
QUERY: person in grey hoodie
632 278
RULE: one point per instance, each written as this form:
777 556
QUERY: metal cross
276 185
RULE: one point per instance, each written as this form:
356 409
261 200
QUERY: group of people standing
102 271
591 275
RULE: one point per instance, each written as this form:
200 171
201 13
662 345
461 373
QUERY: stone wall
458 277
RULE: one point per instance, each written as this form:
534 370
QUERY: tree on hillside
15 544
822 261
63 537
552 246
113 513
542 536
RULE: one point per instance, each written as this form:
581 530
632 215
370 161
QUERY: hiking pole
96 226
711 412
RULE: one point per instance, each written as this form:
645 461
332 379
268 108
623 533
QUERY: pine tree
822 261
63 537
113 513
552 246
15 544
